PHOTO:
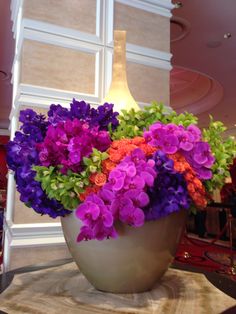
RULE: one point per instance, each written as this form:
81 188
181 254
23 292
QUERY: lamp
119 93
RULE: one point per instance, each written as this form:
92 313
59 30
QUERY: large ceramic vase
138 258
134 261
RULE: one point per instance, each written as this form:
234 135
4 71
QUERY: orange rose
100 179
138 140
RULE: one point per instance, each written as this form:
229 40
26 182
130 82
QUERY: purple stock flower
57 113
103 116
21 156
27 116
169 193
80 110
67 136
68 142
162 162
33 124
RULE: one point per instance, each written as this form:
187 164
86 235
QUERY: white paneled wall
40 33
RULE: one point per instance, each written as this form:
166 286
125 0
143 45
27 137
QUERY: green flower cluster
224 151
63 188
132 123
94 162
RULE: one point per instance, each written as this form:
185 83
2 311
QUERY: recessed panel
143 28
57 67
37 109
24 214
77 14
148 83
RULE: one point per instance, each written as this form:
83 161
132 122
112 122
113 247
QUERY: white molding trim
109 21
35 235
30 235
21 235
161 7
11 189
153 53
6 250
145 51
99 20
15 7
60 39
99 68
42 97
4 132
51 29
51 94
140 59
107 69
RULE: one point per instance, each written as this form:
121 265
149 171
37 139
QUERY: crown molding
33 28
34 234
43 97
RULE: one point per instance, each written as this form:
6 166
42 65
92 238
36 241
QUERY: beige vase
134 261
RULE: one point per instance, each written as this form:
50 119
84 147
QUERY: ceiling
203 78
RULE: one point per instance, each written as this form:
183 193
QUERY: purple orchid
201 154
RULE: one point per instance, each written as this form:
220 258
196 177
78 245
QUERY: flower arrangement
131 167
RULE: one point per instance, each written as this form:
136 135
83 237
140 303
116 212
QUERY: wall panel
76 14
57 67
143 28
148 83
23 214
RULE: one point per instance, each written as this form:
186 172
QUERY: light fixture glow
119 93
227 35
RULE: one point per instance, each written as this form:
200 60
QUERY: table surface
59 287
